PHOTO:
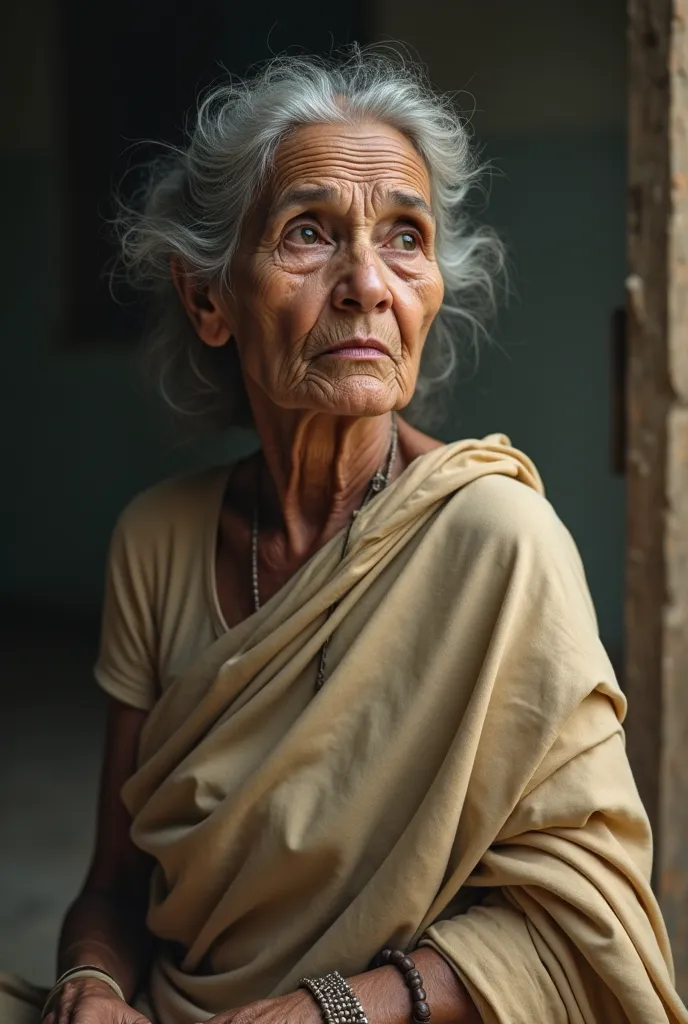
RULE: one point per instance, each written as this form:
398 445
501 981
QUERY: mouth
358 348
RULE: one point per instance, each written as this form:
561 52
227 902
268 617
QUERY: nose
362 287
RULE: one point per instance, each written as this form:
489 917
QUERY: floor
51 728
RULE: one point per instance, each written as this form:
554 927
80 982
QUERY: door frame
656 588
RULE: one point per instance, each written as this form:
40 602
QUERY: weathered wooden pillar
656 671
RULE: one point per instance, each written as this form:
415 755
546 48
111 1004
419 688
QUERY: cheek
289 304
418 303
301 300
275 319
431 296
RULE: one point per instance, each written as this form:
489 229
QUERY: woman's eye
304 234
405 242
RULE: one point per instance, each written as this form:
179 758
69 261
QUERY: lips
358 345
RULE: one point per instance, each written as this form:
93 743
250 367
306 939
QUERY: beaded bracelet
337 1000
420 1013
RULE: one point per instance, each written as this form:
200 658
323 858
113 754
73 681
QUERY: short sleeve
126 665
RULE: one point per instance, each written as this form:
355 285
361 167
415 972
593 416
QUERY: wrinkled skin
92 1002
353 262
340 245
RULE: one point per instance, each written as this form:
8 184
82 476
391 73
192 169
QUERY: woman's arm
383 994
385 997
105 926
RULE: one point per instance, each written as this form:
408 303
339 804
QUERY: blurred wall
79 437
547 85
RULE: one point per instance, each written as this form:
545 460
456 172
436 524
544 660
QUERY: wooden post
656 671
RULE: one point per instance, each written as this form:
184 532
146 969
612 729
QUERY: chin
371 400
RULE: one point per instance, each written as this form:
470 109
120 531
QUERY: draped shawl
460 781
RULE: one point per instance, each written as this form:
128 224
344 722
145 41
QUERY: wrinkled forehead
375 156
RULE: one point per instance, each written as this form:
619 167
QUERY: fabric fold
492 951
465 752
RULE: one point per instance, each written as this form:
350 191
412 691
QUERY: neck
317 469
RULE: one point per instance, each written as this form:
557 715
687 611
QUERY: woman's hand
89 1001
296 1008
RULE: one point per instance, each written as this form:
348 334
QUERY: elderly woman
365 758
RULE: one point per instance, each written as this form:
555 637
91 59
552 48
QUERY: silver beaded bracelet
337 1001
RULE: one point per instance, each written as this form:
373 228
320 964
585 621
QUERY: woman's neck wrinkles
316 471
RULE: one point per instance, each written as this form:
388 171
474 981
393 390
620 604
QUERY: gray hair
195 200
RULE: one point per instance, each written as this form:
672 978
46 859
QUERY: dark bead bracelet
420 1014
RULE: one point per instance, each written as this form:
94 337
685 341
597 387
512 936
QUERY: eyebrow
409 199
305 194
302 196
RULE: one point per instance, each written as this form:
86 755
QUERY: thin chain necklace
378 483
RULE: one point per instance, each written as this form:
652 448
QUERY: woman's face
335 283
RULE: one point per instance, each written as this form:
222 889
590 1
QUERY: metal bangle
74 974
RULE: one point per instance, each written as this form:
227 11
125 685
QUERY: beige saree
459 781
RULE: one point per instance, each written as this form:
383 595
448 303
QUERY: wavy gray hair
196 198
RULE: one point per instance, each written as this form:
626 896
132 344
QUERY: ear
209 321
